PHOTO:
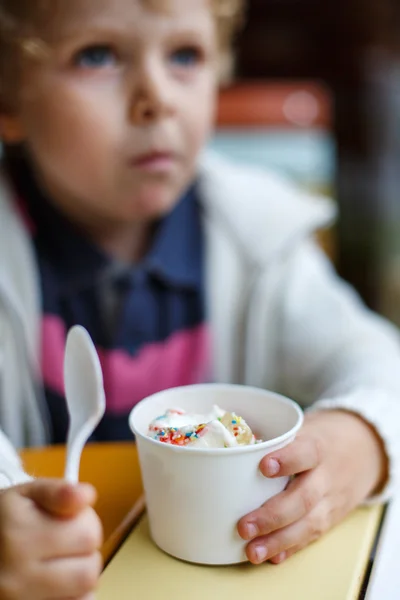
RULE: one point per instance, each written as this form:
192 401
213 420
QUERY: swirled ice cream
217 429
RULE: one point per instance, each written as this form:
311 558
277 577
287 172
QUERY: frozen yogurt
218 429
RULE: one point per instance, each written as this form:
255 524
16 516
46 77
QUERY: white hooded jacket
281 319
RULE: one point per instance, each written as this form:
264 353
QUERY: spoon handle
75 444
73 462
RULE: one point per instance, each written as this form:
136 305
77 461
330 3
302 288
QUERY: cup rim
220 451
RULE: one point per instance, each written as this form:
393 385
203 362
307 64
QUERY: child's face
116 118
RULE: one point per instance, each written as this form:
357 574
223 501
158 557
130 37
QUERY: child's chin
153 204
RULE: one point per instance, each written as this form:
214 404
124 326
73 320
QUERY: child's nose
151 98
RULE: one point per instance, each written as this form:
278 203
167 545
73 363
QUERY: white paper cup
195 497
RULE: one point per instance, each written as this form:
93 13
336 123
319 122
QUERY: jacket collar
264 215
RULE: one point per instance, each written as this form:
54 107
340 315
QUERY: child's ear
11 129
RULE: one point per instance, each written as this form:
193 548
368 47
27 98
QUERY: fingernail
261 553
273 467
251 531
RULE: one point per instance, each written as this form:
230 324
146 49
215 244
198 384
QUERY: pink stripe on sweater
182 359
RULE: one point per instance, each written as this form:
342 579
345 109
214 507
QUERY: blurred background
317 96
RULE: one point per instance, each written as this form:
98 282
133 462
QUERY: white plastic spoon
84 391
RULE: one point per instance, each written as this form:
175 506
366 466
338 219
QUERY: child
183 268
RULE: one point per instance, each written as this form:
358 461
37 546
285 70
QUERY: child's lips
154 162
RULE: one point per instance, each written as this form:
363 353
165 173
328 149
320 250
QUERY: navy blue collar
175 257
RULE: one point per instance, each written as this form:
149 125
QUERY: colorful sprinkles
172 435
188 434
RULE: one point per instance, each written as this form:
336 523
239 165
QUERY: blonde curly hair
25 23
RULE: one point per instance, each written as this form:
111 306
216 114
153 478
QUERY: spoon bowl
84 392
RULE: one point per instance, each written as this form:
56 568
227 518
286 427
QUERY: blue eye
186 57
95 57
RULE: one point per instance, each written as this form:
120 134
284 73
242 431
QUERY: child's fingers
302 455
70 577
91 596
27 532
80 536
298 534
279 558
58 497
301 497
284 556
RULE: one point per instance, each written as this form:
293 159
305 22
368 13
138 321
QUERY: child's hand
339 461
49 542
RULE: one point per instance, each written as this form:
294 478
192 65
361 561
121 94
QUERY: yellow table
331 569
